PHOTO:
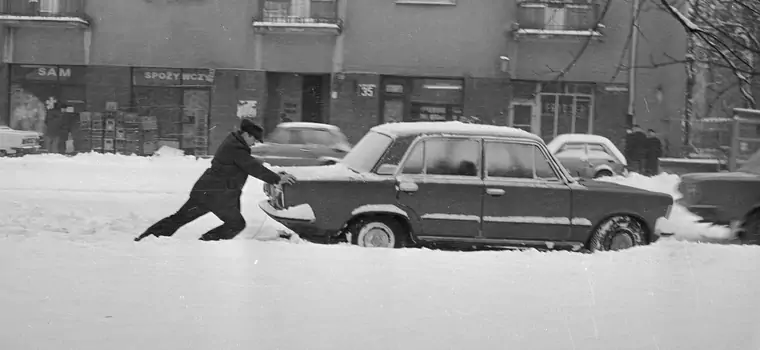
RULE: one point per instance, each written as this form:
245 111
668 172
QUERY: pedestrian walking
635 149
218 190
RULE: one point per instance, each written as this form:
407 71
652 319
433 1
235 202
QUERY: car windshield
367 152
752 166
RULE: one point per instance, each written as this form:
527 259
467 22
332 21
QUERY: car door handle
495 192
305 150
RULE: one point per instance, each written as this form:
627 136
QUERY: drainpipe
632 62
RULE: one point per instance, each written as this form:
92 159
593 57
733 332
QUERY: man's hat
252 129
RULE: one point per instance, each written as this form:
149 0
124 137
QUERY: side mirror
387 169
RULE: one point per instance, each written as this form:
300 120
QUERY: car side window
396 151
414 162
597 148
318 137
453 157
579 147
279 135
517 160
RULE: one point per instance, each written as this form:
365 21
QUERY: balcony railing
304 14
557 16
43 8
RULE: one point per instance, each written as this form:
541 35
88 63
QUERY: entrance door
525 199
522 117
313 99
195 108
441 183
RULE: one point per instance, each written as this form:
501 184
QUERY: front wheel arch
359 219
645 239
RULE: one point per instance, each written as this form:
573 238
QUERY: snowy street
72 278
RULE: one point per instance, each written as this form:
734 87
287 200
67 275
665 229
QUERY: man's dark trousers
199 204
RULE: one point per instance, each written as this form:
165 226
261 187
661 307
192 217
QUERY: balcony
299 16
44 13
557 19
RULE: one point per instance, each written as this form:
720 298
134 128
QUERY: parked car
18 142
726 198
300 143
588 156
450 183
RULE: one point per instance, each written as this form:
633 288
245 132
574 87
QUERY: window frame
427 2
424 174
561 177
561 22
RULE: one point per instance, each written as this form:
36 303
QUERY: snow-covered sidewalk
72 278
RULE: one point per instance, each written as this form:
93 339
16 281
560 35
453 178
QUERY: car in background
18 142
726 198
302 144
466 185
588 156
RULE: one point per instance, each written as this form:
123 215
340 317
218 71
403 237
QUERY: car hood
724 176
615 187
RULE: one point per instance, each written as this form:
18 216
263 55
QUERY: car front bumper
709 213
296 224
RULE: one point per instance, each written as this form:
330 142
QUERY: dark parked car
302 144
588 156
727 198
450 183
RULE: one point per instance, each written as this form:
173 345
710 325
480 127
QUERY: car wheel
617 233
602 173
751 230
3 153
379 232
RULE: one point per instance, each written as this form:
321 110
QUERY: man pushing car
218 190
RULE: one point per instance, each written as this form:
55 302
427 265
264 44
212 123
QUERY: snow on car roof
307 125
560 140
452 127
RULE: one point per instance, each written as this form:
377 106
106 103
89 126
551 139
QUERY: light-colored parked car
18 142
303 144
588 156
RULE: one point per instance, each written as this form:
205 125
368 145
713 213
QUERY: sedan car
450 183
300 143
18 142
588 156
726 198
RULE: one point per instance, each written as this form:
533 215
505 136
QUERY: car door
440 182
525 197
572 156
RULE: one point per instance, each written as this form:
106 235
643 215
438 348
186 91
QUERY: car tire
750 234
603 173
379 232
617 233
3 153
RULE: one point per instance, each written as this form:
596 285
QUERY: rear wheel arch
647 230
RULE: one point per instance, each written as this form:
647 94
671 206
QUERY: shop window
177 102
565 108
47 99
436 100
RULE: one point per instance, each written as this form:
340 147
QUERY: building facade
132 76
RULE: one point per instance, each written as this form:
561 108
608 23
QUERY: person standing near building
218 190
635 149
54 125
653 153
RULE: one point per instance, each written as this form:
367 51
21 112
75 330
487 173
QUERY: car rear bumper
25 150
709 213
298 225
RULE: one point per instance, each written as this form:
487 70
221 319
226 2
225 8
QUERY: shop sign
173 76
45 73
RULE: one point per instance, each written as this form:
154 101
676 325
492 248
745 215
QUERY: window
317 137
50 6
517 160
565 15
397 150
452 157
286 10
565 108
427 2
365 155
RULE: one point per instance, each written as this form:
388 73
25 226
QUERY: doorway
313 98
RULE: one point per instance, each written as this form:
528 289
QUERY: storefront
177 102
551 109
421 99
37 90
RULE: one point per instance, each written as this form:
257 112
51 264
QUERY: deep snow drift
71 278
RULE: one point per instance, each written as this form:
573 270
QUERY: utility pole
632 61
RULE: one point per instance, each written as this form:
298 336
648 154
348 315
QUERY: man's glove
287 179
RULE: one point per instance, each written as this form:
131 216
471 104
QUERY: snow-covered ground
72 278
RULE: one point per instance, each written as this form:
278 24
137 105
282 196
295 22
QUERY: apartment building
186 70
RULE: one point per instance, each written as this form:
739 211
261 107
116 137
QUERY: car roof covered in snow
556 143
308 125
453 128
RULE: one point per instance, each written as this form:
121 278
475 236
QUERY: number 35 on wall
366 90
